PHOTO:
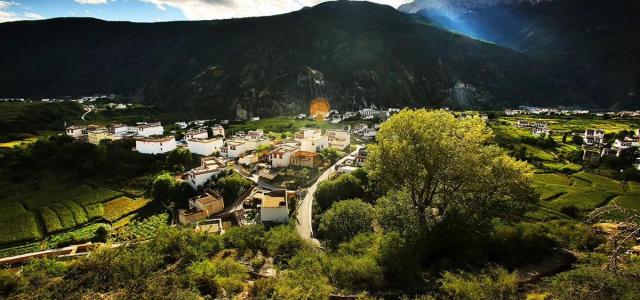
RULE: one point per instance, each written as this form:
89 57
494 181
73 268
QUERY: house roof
273 202
156 139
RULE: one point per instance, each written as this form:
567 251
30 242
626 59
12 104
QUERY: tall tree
448 166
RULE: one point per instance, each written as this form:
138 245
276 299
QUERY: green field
20 117
32 215
122 206
281 124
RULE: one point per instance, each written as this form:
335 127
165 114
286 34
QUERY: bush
344 187
218 275
570 210
283 242
593 282
245 238
346 219
231 187
8 282
355 273
494 283
263 288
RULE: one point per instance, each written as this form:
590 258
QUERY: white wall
205 148
147 147
283 162
147 131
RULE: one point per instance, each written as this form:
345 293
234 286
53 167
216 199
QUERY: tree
283 242
232 186
447 166
346 219
162 187
344 187
577 139
180 159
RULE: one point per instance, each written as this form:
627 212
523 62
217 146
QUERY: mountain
593 46
353 53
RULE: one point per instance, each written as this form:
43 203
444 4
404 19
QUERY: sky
153 10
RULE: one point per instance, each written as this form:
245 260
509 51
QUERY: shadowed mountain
593 46
353 53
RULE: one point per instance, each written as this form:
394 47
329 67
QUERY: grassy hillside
28 117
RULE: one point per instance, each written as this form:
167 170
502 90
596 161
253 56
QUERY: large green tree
448 166
345 219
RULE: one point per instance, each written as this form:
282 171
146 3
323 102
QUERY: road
87 111
304 213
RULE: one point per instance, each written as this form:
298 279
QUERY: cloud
226 9
7 15
92 1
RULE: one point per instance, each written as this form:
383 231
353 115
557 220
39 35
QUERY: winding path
304 212
87 111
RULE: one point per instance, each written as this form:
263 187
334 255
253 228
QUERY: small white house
75 131
274 208
339 139
200 133
205 147
280 157
311 140
149 145
209 167
234 149
147 130
593 137
119 129
217 131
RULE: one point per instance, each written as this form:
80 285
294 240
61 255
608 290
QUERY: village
253 154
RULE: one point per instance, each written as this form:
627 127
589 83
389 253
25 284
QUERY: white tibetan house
155 145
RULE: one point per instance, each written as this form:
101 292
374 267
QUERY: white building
339 139
205 147
523 123
182 125
147 130
254 134
148 145
217 131
209 168
119 129
369 134
200 133
75 131
594 137
234 149
274 207
280 157
540 130
311 140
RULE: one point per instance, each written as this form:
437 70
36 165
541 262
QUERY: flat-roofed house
274 208
75 131
234 149
306 159
280 157
119 129
200 133
94 136
147 130
205 147
339 139
217 131
209 168
200 208
593 137
157 145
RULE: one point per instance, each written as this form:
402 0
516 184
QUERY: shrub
346 219
218 275
570 210
263 288
344 187
8 282
494 283
283 242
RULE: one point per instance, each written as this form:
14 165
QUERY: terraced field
29 216
585 191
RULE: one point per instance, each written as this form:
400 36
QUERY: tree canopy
346 219
447 166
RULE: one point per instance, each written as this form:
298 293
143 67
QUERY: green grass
18 143
19 117
280 124
562 166
552 178
17 224
65 214
549 191
21 249
50 219
137 229
122 206
627 202
77 236
584 201
600 182
94 211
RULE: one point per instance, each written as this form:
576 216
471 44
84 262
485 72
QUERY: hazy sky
153 10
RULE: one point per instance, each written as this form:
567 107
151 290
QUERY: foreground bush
494 283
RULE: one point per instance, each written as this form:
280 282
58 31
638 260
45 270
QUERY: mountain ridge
353 53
